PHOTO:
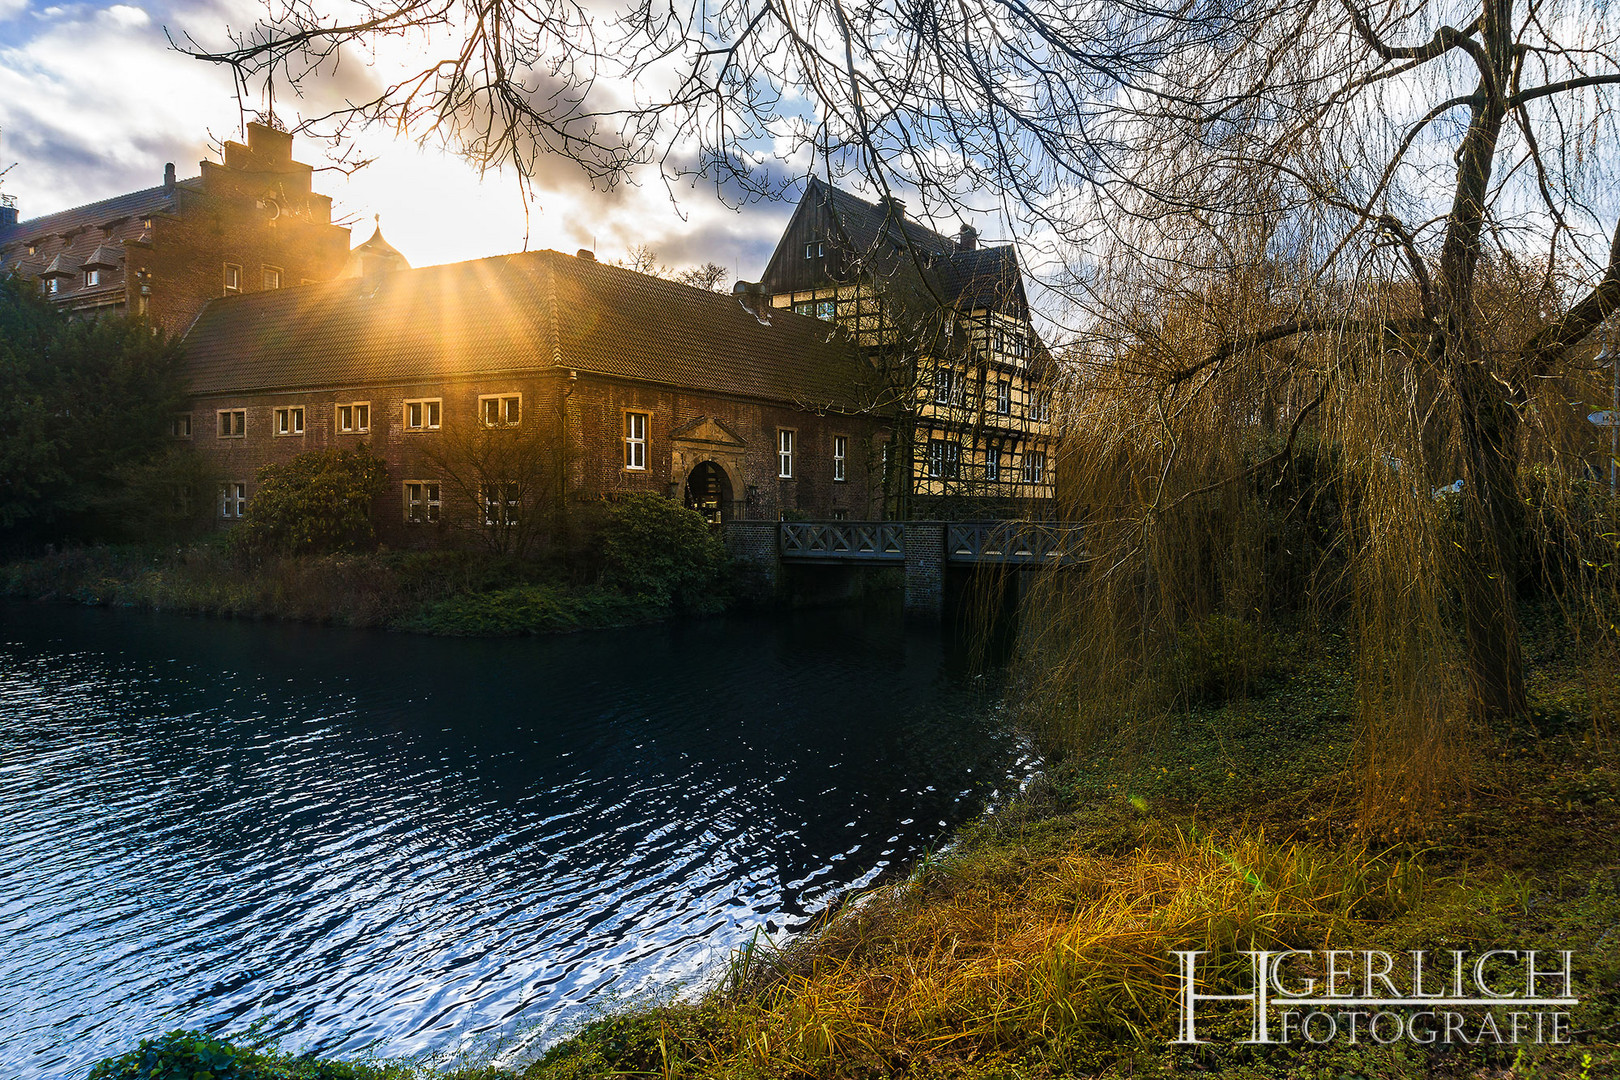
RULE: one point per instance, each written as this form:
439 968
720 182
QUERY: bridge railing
1030 542
876 540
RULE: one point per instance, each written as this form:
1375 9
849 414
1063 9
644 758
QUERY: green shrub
529 609
664 554
1215 659
316 504
195 1055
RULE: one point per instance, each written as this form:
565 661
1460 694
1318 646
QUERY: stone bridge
923 549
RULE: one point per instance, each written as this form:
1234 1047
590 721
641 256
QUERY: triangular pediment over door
706 429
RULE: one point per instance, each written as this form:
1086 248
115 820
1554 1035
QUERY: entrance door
708 492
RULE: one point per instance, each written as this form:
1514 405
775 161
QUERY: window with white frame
784 454
992 465
825 310
233 278
1040 408
422 414
233 500
272 277
290 421
232 423
1004 397
180 426
92 278
353 417
815 249
51 285
501 501
944 458
422 501
1034 466
840 453
635 440
500 410
945 390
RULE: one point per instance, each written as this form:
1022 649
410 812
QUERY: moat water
367 842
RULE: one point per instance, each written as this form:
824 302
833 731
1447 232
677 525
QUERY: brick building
945 323
249 223
503 391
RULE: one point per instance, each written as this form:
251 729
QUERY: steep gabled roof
879 240
518 314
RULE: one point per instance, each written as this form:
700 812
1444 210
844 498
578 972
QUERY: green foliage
83 402
1214 659
316 504
661 552
195 1055
531 609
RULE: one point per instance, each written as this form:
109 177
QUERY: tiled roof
518 313
104 257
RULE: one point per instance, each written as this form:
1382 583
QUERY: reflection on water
374 840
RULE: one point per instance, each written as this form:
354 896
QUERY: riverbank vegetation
278 570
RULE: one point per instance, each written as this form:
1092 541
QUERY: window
825 310
944 386
232 423
1035 467
180 426
290 421
635 440
51 285
500 410
1018 344
272 277
992 465
1003 397
500 500
92 278
233 500
815 249
354 418
1040 409
233 278
421 501
944 459
422 414
840 452
784 454
1000 340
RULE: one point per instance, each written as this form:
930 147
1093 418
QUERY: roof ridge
89 205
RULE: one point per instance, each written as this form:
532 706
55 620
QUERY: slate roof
107 223
984 277
518 313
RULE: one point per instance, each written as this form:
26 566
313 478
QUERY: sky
94 102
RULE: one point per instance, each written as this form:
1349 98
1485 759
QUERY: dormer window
92 278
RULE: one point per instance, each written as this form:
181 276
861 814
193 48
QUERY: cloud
79 139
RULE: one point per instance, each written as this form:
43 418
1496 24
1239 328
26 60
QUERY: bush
316 504
195 1055
662 553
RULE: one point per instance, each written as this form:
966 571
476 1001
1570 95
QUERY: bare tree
500 482
1317 192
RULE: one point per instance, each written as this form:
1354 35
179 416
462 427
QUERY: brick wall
573 431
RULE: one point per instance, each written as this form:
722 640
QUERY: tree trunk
1488 566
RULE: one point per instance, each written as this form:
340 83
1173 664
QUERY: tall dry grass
1056 953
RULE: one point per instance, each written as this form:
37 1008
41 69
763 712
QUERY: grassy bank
440 592
1040 945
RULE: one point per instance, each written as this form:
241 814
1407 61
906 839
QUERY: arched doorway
708 491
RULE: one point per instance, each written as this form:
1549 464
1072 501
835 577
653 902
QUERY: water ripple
364 841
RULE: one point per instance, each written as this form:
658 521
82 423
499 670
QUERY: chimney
8 211
168 179
585 253
751 295
968 238
895 208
